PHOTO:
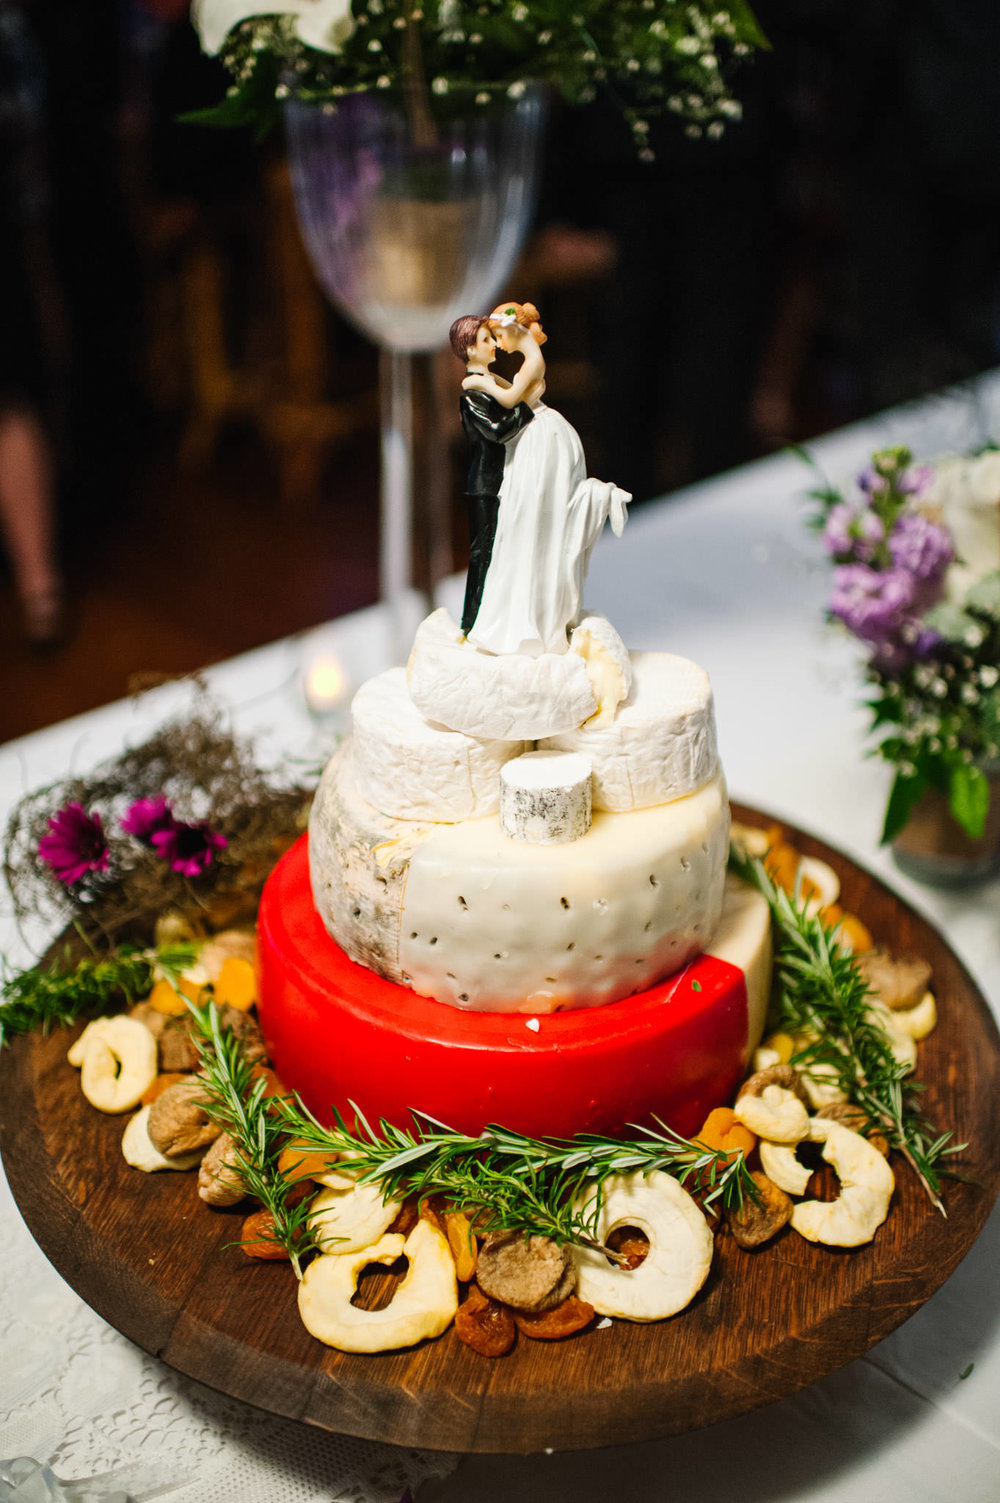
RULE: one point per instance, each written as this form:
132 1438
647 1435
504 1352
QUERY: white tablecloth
725 573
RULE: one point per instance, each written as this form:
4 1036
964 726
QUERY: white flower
984 478
323 24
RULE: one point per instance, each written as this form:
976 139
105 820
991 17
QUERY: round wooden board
145 1253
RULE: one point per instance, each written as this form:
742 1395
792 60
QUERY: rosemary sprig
236 1101
540 1186
46 996
818 992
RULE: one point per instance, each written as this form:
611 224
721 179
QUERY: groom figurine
488 426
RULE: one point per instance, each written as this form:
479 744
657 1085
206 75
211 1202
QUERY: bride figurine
551 514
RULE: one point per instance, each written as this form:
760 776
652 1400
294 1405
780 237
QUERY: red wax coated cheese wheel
337 1033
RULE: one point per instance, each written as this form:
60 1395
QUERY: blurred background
189 433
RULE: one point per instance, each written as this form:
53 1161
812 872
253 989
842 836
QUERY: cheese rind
411 769
545 797
506 697
661 744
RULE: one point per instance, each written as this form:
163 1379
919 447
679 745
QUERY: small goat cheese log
545 797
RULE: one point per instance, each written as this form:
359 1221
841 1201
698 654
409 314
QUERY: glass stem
396 521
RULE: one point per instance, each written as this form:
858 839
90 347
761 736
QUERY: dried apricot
485 1324
165 998
258 1239
630 1244
160 1084
462 1241
236 984
723 1131
552 1325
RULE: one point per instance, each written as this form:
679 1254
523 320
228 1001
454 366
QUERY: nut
423 1306
345 1221
898 981
866 1188
244 1027
755 1223
529 1273
857 1120
140 1153
177 1049
918 1021
228 944
780 1075
178 1121
680 1248
902 1043
118 1063
220 1182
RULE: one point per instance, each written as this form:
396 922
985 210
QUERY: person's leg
27 521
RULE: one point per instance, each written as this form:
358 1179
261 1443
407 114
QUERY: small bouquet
917 579
651 55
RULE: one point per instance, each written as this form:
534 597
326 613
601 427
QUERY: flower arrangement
651 55
929 617
185 820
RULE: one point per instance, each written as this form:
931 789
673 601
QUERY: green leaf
951 621
984 595
906 789
969 798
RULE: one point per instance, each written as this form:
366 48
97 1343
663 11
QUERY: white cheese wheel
661 744
413 770
461 913
507 697
496 926
545 797
358 860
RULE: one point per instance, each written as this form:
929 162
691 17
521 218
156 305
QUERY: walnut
177 1047
145 1012
529 1273
779 1075
246 1030
753 1224
219 1179
898 981
178 1121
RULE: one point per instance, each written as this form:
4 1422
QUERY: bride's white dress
551 515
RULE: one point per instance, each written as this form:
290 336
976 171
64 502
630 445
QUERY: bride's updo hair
526 314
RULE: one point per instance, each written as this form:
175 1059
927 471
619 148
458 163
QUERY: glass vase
933 848
410 221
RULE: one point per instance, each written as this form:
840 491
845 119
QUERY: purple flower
922 548
871 481
75 844
873 603
188 848
147 817
852 532
916 482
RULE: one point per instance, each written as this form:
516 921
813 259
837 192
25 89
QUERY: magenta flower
147 817
189 849
75 844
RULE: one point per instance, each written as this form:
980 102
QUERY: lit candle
326 686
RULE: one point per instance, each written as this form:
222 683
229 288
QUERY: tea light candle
327 689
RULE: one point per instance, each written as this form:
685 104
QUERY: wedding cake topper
535 515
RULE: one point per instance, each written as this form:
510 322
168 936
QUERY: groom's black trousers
483 513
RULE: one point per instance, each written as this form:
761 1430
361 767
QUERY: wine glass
411 221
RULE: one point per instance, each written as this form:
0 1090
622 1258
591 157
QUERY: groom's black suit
488 426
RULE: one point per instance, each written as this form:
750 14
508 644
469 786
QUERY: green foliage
651 55
67 990
818 993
